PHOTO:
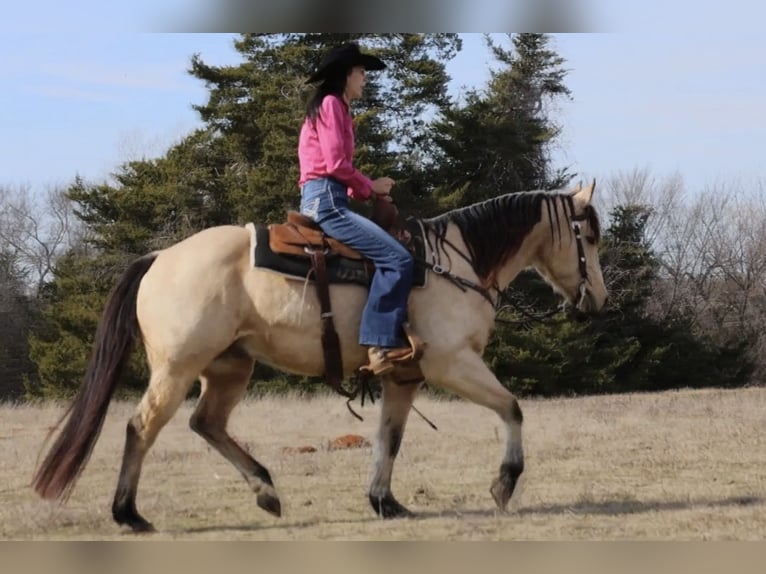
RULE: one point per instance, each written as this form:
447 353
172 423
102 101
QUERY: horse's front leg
397 401
468 376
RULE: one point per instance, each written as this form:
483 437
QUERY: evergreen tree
241 166
560 356
71 308
622 350
667 354
498 141
18 314
260 104
629 264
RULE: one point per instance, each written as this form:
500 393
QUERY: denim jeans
326 202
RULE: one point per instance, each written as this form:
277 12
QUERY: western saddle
301 236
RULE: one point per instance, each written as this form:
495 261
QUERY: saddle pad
339 269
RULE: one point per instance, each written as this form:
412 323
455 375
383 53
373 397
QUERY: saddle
300 233
301 236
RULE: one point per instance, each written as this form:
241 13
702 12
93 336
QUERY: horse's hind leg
167 390
468 376
397 402
224 383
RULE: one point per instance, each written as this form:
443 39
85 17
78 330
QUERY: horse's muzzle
584 306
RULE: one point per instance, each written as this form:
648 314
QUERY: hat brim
369 62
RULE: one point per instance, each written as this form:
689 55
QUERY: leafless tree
35 228
737 262
662 196
711 247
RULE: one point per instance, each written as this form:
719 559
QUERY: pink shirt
326 148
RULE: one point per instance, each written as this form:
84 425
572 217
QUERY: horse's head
571 265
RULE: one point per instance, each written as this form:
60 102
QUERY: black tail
113 344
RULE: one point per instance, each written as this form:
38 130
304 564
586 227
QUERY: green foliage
18 314
630 267
258 107
71 309
498 141
624 349
242 166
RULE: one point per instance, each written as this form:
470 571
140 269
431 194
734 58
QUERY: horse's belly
301 352
288 335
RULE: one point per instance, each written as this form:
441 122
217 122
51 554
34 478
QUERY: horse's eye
590 239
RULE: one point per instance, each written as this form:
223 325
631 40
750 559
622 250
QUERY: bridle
462 283
582 286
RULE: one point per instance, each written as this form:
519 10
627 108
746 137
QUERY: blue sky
689 101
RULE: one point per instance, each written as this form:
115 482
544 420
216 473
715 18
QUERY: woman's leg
386 309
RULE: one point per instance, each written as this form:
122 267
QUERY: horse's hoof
143 527
132 519
138 525
501 493
503 486
270 503
388 507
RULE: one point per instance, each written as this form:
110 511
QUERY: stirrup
381 360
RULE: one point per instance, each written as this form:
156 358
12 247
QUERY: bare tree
711 247
662 197
737 260
35 228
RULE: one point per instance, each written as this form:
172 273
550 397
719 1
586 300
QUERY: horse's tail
113 344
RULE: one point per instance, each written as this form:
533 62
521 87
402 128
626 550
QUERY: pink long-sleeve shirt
326 148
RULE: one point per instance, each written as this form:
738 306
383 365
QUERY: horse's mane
494 230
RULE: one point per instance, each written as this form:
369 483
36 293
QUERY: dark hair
334 83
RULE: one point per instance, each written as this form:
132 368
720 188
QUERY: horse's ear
585 194
577 189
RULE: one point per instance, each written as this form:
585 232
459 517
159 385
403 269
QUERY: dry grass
678 465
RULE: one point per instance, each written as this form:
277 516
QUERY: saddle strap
333 361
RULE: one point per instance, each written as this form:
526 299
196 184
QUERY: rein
502 297
436 267
362 385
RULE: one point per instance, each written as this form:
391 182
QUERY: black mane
493 230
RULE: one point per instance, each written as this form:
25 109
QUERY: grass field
669 466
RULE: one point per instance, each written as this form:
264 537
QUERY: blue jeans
326 202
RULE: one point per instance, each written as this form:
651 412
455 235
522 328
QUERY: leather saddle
301 236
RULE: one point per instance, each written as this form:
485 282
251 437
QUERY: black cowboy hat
344 57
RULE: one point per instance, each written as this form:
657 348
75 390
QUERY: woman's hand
381 187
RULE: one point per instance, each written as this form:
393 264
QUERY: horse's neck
457 255
453 253
524 257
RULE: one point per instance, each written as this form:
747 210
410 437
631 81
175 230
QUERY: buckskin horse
204 311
